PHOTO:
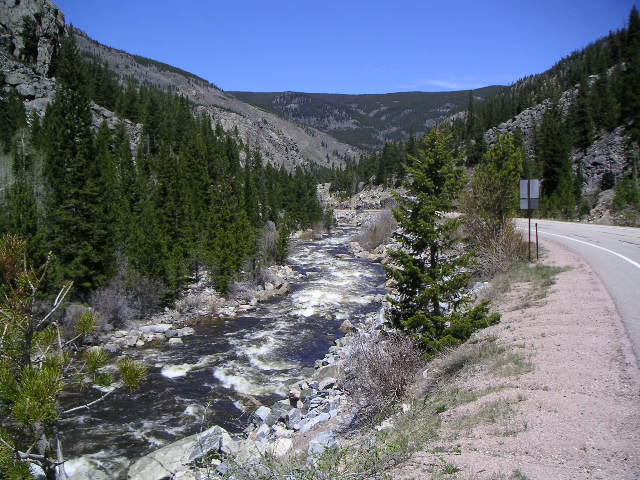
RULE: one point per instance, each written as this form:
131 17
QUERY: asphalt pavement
613 253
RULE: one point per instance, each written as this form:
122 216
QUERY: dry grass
538 279
497 251
377 231
378 371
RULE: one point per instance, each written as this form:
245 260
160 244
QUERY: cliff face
281 142
607 153
35 39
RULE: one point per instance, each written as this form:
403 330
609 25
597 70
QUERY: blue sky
350 46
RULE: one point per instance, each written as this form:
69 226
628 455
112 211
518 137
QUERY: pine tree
552 148
428 269
36 366
75 231
581 117
631 88
12 118
494 187
29 51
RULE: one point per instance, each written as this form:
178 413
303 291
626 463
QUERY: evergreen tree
552 150
494 187
581 117
631 89
12 118
36 366
428 269
29 35
75 229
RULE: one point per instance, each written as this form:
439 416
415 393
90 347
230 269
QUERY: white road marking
626 259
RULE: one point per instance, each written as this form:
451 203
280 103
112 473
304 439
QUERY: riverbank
230 365
199 300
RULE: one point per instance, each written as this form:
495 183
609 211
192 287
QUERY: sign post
529 200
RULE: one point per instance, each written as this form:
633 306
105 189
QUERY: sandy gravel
576 415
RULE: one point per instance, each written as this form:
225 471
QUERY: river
206 381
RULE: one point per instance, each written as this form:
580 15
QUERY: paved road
613 253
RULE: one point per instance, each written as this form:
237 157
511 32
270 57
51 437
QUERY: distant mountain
280 141
367 121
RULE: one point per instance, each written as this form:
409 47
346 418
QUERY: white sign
530 188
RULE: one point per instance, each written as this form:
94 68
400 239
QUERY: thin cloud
462 84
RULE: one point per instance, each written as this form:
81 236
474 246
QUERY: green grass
540 278
510 364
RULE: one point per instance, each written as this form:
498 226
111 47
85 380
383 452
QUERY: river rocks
261 413
294 416
327 383
179 332
156 328
321 442
329 371
171 459
347 327
175 342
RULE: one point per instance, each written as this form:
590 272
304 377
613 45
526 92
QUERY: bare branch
56 304
31 456
87 406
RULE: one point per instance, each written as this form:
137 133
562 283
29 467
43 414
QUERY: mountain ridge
367 120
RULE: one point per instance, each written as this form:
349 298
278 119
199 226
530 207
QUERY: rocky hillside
606 155
367 121
280 141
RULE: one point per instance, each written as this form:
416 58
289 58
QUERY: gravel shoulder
569 405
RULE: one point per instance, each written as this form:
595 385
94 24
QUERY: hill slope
367 121
280 141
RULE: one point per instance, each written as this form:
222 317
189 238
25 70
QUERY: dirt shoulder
561 399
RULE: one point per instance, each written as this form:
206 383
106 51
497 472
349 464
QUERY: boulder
180 332
171 459
327 383
156 328
175 342
277 413
284 289
261 414
280 447
309 424
294 416
294 395
322 442
330 371
347 327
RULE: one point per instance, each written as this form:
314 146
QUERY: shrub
377 231
496 251
127 296
627 195
378 372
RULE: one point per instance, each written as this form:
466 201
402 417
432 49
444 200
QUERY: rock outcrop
47 27
30 76
606 155
528 120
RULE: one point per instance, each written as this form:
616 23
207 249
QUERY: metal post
529 213
537 255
